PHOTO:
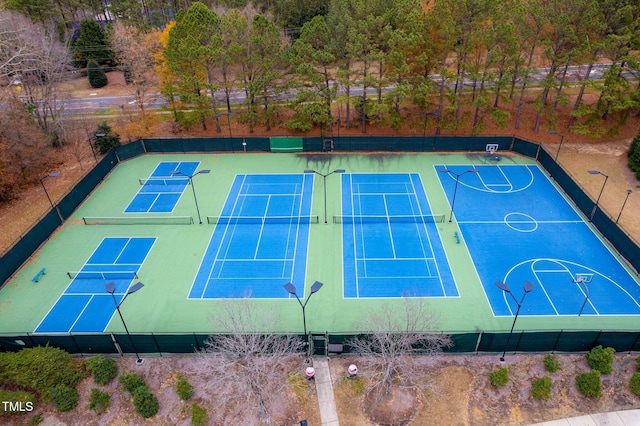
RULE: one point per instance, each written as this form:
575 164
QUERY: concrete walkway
617 418
324 389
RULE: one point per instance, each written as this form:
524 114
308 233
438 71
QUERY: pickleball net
103 275
262 220
139 220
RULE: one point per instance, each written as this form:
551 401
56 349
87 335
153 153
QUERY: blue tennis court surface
161 191
391 245
260 240
86 306
518 227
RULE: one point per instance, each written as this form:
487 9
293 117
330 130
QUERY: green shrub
40 369
96 75
24 398
130 382
199 416
104 369
600 359
107 139
183 388
634 156
64 397
634 384
499 377
551 363
99 401
638 363
541 388
589 384
145 402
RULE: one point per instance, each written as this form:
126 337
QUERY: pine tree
96 75
92 44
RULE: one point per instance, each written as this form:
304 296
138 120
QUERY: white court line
299 229
426 231
386 212
266 209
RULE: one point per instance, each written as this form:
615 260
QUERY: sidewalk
324 389
616 418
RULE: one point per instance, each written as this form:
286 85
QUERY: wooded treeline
459 62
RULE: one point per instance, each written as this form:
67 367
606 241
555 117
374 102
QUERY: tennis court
260 240
391 243
390 237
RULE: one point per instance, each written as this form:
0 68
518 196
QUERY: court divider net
182 181
103 275
139 220
349 219
259 220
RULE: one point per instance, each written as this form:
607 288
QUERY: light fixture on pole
324 184
291 289
553 132
455 189
193 188
53 206
111 288
528 286
623 204
597 172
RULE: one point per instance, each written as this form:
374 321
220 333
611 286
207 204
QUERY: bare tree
246 362
392 336
135 51
23 148
76 135
38 62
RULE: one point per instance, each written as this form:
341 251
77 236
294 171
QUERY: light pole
528 286
580 280
193 188
424 126
455 189
623 204
597 172
55 207
228 114
92 142
324 184
553 132
111 288
291 289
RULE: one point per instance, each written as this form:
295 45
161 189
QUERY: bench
457 236
38 275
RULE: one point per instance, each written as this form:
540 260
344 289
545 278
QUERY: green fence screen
538 341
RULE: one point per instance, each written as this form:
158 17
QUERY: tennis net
259 220
435 218
139 220
164 181
103 275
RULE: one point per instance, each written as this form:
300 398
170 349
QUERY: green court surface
168 272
